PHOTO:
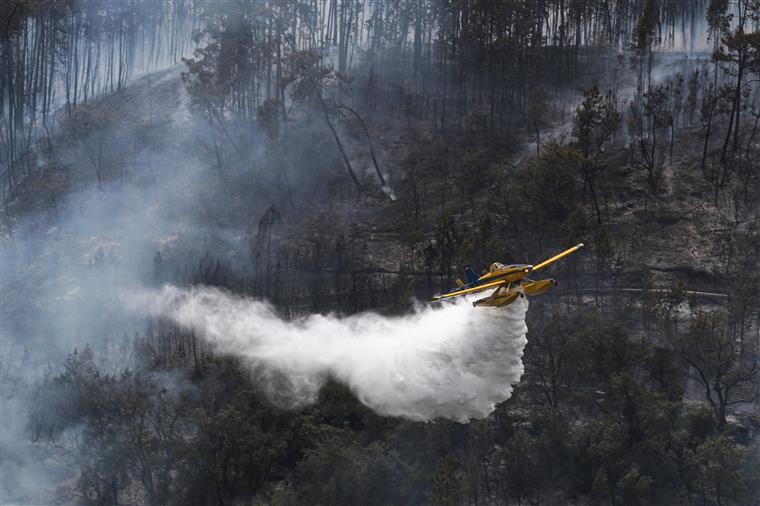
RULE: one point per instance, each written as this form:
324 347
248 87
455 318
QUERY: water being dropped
454 362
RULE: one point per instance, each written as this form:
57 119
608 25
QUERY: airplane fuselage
507 281
499 272
509 273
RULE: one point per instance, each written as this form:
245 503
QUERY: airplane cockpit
497 267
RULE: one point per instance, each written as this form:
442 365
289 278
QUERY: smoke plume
454 362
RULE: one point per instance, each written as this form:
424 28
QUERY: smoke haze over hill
218 219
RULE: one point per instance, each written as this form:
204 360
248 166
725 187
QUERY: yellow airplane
509 282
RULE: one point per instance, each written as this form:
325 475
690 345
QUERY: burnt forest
302 252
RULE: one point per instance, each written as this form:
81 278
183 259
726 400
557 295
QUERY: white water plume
455 361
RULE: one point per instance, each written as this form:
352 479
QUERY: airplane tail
471 276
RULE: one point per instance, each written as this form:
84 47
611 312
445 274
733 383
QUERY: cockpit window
496 266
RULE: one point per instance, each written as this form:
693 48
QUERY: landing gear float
508 282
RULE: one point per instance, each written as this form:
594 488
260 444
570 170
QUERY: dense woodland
362 153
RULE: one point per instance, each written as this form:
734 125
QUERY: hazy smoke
455 362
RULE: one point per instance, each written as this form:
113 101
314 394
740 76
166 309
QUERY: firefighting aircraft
509 282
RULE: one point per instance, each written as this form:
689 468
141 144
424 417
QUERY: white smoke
454 362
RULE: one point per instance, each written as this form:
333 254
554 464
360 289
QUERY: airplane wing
479 288
557 257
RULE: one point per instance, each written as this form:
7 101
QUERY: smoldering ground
453 362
